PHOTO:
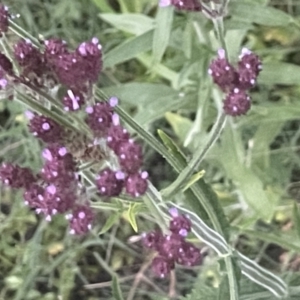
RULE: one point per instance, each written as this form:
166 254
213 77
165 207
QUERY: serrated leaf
116 289
111 221
162 32
136 24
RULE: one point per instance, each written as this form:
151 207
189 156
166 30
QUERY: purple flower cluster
191 5
236 81
172 248
57 188
105 123
54 190
76 70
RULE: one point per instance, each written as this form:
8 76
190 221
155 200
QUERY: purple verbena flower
99 118
237 103
15 176
6 64
45 128
189 255
81 219
153 239
59 167
161 266
170 246
222 72
249 67
136 184
92 59
69 70
130 156
29 58
49 201
180 224
53 48
116 135
73 100
110 183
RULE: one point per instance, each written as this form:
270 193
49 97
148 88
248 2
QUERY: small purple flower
248 69
189 255
180 224
153 239
99 118
92 59
29 58
136 184
110 183
69 69
237 103
54 48
250 61
170 246
15 176
49 201
45 128
130 156
73 101
59 167
32 195
161 266
81 219
6 64
116 135
222 72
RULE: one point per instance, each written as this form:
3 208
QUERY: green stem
18 30
198 157
232 280
219 27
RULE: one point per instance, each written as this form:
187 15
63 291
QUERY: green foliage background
155 61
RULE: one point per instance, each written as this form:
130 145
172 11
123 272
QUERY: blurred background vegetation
256 161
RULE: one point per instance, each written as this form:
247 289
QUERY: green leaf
287 242
279 73
143 95
198 156
151 100
180 125
103 6
248 183
296 218
162 32
116 289
263 15
193 179
136 24
130 49
111 221
134 208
